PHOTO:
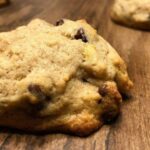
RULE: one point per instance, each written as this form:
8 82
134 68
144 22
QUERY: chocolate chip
103 90
59 22
110 114
84 79
126 96
100 101
36 91
81 35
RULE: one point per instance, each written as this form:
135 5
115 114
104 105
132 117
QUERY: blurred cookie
62 78
134 13
4 3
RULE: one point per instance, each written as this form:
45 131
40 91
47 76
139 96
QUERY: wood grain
131 131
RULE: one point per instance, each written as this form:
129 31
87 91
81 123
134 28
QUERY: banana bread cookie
59 78
134 13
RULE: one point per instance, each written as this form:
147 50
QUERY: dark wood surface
132 130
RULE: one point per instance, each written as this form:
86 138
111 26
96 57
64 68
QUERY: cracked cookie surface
134 13
62 78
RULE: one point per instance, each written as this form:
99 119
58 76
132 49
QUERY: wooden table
132 130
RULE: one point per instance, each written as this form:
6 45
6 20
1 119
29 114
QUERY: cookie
4 3
133 13
59 78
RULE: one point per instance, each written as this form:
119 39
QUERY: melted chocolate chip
35 108
59 22
109 115
126 96
36 91
100 101
103 90
84 79
81 35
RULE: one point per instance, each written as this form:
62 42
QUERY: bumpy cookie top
67 65
132 12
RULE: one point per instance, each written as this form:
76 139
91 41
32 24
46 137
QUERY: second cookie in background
133 13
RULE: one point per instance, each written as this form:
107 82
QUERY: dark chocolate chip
36 91
84 80
34 109
100 101
126 96
34 88
110 114
81 35
59 22
103 90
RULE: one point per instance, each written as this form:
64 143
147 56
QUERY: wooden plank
131 131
